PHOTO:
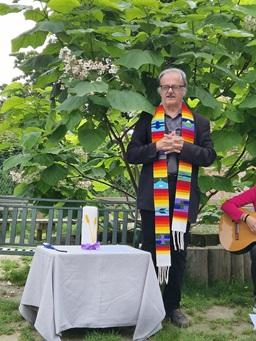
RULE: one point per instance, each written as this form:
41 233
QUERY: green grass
9 316
14 271
232 302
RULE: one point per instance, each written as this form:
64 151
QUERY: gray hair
176 70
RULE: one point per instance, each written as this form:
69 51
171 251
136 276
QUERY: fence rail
27 222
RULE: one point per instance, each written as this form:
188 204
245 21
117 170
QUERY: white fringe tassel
163 274
178 240
174 240
181 240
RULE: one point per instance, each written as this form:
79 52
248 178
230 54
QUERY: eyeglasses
175 88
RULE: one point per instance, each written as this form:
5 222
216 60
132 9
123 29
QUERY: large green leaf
99 172
30 38
91 137
13 86
127 100
198 55
249 102
247 10
251 148
225 139
43 187
136 58
250 76
54 174
84 88
146 4
220 20
22 190
6 9
43 159
72 103
15 160
237 34
48 77
219 183
50 26
35 14
30 139
13 103
97 14
63 6
73 120
110 4
99 187
206 98
133 13
235 115
58 134
226 71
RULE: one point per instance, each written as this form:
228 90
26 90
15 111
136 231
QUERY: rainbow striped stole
161 193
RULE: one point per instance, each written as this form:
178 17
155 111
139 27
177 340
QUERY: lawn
218 313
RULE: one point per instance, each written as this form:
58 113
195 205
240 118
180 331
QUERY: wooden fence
212 263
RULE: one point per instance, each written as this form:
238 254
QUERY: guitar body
236 237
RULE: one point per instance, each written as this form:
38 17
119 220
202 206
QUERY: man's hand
170 143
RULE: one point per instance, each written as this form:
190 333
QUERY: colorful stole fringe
161 193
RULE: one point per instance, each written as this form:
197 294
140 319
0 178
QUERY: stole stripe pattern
178 225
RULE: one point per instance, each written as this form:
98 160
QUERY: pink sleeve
232 206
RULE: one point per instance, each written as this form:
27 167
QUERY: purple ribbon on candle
90 246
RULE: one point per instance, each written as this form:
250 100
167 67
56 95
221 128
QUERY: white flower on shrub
81 153
84 184
33 176
62 183
224 99
17 177
81 68
250 23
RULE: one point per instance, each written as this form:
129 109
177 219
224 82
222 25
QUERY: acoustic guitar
236 237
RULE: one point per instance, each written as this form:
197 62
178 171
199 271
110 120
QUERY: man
171 145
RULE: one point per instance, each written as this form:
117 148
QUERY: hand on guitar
251 222
238 236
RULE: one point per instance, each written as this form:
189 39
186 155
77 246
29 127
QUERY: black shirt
173 124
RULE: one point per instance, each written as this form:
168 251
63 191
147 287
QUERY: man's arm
141 149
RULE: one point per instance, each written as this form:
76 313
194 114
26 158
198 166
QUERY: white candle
89 225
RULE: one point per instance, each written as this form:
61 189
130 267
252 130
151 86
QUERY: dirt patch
219 312
7 289
13 337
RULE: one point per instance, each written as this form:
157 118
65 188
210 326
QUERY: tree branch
101 181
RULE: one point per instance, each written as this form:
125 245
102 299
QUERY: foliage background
68 124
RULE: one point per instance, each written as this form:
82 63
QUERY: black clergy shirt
173 124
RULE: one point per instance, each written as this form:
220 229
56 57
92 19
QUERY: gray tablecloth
113 286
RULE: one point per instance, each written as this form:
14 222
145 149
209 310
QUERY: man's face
172 89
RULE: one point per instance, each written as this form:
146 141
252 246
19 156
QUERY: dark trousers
172 290
253 268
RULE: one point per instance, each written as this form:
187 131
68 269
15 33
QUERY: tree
97 71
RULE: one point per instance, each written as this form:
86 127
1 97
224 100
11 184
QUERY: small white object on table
89 225
113 286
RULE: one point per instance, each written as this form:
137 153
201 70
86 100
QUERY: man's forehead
172 75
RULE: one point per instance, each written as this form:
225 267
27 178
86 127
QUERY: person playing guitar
232 207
